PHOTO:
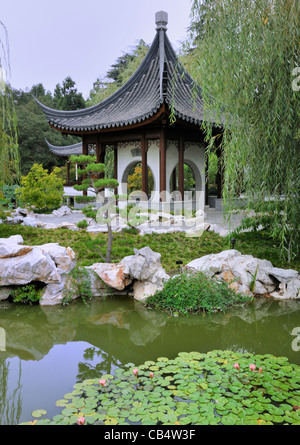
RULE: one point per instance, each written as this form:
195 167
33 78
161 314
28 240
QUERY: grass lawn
172 246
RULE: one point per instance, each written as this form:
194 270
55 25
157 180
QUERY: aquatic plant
187 293
191 389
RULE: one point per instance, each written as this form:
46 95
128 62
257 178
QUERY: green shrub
82 224
40 189
28 294
78 283
195 293
84 199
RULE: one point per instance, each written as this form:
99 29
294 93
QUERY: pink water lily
151 375
252 367
260 370
237 366
102 382
135 371
81 421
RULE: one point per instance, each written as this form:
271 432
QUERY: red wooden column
181 167
98 149
144 149
84 146
163 152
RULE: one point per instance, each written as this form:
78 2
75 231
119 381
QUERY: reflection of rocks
115 318
150 326
114 326
143 325
244 271
262 309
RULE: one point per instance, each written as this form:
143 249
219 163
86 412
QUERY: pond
44 351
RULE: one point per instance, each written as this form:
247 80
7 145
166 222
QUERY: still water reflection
44 351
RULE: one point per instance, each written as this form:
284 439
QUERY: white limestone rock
146 271
63 257
30 222
143 264
62 211
35 265
249 275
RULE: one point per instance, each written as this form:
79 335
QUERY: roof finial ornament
161 20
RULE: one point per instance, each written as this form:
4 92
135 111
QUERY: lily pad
193 388
39 413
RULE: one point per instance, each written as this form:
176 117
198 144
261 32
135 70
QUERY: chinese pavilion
135 120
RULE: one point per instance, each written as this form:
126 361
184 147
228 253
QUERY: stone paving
213 216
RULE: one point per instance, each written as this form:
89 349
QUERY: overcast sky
50 40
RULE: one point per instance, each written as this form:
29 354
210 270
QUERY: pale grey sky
50 40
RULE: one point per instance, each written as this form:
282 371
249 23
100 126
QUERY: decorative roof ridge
115 96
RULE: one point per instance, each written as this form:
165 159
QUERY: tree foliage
9 149
243 54
134 180
124 67
41 189
33 130
66 96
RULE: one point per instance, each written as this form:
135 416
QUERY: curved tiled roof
65 151
160 78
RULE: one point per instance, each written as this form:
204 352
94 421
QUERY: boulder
5 292
146 271
12 246
143 264
62 211
21 212
249 275
115 276
14 220
63 257
30 221
289 291
144 289
284 275
55 293
35 265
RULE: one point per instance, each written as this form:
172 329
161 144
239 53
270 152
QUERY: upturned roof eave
146 106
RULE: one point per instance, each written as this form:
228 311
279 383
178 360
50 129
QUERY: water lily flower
102 382
237 366
252 367
81 421
151 375
135 371
260 370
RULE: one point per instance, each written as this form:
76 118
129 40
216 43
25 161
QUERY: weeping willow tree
9 150
244 54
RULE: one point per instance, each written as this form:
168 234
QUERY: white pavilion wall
194 156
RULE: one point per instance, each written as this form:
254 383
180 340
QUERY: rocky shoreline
139 275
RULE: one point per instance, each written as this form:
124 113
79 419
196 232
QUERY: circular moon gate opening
189 179
134 179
